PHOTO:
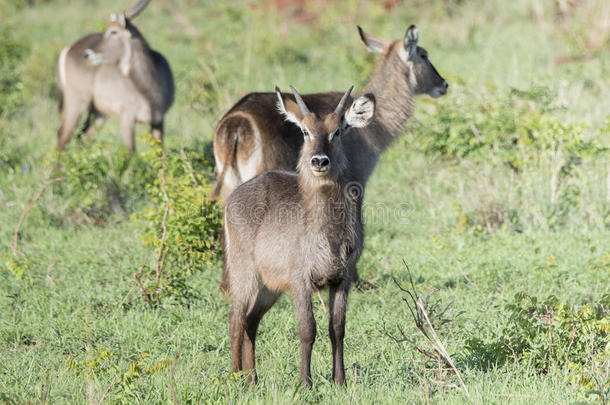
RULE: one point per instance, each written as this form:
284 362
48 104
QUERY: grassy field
497 197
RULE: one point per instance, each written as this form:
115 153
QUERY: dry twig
440 348
144 292
418 311
161 253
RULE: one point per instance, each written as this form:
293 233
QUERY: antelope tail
61 77
229 162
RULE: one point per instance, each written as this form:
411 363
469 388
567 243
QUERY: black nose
320 162
445 84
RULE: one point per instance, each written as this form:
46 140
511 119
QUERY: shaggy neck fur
390 85
321 200
332 218
323 197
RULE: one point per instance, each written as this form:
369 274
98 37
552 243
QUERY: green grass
78 298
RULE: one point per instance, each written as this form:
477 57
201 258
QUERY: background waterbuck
252 137
114 72
297 232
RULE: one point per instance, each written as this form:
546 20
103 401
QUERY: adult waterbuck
252 137
114 72
297 232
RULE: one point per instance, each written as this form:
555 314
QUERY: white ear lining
360 113
411 40
288 116
374 46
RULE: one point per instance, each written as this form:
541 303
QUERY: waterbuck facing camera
297 232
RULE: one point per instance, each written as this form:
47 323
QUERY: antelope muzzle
320 165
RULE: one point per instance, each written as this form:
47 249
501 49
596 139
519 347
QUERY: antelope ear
122 20
411 39
289 109
360 113
372 43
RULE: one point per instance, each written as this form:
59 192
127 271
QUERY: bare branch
144 292
410 278
160 264
404 338
422 321
440 348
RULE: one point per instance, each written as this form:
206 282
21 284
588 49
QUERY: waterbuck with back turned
297 232
117 73
252 137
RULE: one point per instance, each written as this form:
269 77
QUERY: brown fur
287 232
114 72
280 141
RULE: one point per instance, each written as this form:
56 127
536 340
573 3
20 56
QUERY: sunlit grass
78 297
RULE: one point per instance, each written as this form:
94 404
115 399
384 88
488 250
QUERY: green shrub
12 58
533 166
187 240
510 128
547 333
123 376
99 177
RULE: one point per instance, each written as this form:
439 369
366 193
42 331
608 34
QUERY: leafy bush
532 168
547 333
124 378
181 224
506 129
98 177
12 56
18 266
488 218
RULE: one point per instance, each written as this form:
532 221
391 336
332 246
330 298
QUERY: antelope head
114 47
322 154
421 74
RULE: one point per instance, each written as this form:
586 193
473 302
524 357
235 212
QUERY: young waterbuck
114 72
252 137
297 232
